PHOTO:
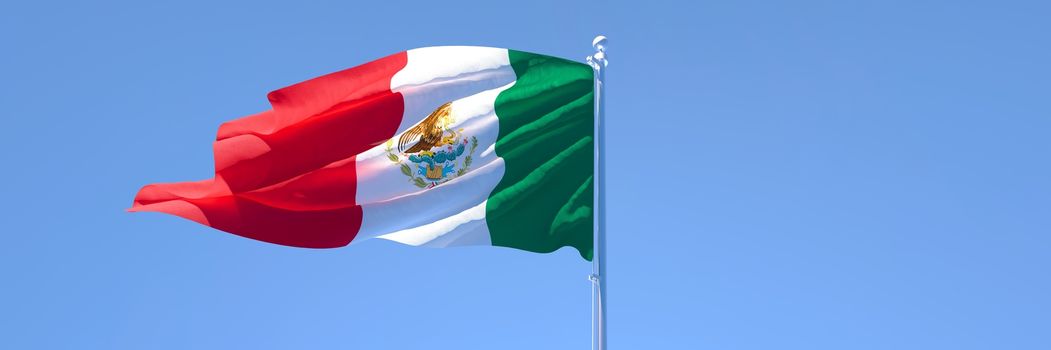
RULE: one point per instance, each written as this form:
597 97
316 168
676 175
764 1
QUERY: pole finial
599 43
598 60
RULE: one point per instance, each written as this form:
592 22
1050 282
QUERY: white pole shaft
598 277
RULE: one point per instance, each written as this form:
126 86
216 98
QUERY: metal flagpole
598 62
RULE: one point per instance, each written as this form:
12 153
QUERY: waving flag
438 146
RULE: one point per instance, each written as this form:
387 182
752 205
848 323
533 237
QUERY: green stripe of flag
544 200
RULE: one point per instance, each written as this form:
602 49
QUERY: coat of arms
432 152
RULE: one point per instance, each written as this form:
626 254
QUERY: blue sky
812 175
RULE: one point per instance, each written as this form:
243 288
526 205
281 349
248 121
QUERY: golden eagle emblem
437 150
429 132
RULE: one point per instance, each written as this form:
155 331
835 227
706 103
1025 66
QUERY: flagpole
598 63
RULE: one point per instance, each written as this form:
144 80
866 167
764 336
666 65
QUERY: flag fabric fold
438 146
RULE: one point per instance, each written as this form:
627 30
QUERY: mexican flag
438 146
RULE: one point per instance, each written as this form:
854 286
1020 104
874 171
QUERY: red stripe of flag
287 176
